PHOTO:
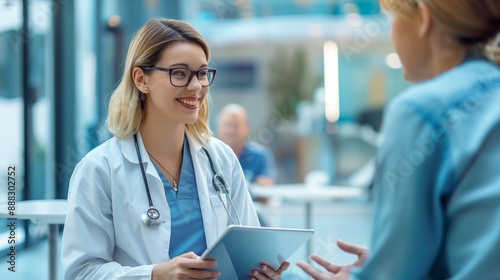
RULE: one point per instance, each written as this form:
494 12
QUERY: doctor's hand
185 266
266 272
333 271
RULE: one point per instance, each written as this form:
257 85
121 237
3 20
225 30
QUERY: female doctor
148 202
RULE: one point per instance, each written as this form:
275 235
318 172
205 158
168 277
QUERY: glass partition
11 111
25 108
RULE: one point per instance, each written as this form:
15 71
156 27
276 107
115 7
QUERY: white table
307 194
51 212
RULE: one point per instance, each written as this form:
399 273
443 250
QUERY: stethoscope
151 217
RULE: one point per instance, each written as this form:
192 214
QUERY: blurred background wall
61 59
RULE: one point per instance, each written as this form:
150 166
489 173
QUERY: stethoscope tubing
151 217
222 182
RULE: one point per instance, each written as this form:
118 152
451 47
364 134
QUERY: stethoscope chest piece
151 218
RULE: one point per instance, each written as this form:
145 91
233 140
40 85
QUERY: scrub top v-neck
187 231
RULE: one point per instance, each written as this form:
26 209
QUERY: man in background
256 160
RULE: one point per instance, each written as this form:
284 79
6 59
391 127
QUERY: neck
237 149
444 53
446 58
163 140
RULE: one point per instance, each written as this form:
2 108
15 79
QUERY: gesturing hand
334 271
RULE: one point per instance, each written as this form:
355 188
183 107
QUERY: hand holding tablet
242 249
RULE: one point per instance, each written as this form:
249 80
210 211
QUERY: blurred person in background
143 205
256 160
437 185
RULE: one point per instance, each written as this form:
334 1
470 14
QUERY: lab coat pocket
218 204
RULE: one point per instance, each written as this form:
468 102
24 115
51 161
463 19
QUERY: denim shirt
437 185
256 161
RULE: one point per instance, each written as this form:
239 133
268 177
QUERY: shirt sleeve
408 214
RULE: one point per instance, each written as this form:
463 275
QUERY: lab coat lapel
129 152
203 177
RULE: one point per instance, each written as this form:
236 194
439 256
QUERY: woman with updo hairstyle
437 182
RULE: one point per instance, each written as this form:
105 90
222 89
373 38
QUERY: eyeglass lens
181 77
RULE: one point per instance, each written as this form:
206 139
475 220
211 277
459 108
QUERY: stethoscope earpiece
151 218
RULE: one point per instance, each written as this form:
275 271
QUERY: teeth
189 102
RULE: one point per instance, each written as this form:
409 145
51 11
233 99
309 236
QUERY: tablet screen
242 248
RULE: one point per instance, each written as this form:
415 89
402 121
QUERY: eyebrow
187 66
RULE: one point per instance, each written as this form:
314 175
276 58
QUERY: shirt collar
129 150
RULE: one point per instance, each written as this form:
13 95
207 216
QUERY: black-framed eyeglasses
181 77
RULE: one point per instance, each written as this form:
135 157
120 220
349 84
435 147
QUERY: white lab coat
104 237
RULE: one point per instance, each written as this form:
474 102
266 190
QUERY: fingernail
255 272
264 268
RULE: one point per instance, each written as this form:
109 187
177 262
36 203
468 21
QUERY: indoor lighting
392 60
331 64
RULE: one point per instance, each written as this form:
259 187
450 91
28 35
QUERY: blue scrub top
187 231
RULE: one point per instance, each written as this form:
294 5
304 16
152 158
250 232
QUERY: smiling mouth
188 102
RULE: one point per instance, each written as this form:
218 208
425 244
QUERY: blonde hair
473 23
127 106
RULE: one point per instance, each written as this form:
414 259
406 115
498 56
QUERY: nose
194 84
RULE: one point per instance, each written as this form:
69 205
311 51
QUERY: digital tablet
240 249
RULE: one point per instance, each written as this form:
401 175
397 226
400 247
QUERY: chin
191 121
410 78
417 75
407 78
190 117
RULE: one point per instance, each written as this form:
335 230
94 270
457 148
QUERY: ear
425 20
140 79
